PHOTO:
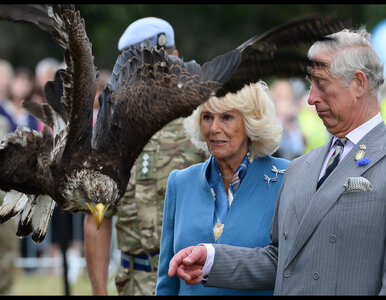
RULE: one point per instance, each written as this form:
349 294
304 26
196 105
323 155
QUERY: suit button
287 274
285 235
315 275
332 238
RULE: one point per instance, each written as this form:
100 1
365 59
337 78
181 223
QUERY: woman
230 198
21 88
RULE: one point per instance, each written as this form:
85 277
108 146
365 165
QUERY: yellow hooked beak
98 212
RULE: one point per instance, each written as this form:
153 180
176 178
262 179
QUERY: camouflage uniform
9 243
139 215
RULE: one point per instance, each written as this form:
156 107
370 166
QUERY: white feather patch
13 203
27 212
42 216
37 214
19 136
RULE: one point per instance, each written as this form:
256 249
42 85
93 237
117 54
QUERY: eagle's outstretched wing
31 157
79 77
23 157
70 96
149 88
280 51
27 13
24 164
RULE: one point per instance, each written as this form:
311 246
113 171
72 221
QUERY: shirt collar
214 175
358 133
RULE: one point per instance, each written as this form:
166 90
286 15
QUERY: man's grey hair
352 50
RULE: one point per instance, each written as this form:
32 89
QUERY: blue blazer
188 219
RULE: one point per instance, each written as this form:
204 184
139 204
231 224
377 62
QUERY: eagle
86 168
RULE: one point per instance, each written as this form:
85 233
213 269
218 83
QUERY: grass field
46 284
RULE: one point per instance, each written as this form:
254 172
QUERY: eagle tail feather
35 217
13 203
35 213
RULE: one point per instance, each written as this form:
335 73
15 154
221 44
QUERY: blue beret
158 31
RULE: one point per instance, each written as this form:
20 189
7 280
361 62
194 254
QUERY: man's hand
188 263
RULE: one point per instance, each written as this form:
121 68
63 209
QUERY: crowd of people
226 202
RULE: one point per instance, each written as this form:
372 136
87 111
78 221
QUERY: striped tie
333 161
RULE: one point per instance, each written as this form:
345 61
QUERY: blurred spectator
44 71
287 109
9 243
378 40
104 77
21 88
4 126
6 75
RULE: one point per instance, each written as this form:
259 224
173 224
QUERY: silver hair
352 50
48 63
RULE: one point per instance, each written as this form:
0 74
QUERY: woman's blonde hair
258 110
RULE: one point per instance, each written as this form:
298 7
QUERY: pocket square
357 184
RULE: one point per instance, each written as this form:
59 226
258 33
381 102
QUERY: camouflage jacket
140 211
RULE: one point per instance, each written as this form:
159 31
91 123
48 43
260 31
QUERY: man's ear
361 82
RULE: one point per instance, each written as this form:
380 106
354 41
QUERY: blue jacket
188 219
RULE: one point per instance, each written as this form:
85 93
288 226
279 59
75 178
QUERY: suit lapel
330 191
309 174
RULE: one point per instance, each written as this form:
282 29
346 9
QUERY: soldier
139 215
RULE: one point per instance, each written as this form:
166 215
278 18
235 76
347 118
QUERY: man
328 240
287 106
139 215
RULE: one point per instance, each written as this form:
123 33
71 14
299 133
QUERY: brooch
276 171
360 156
268 179
217 230
363 161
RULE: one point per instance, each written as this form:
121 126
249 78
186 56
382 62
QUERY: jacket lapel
310 174
330 191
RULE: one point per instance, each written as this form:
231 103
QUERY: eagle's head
90 190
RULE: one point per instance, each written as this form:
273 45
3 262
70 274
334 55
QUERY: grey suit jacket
326 242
